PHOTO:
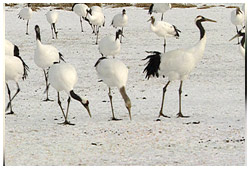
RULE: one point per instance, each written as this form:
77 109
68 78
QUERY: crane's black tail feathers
25 68
61 57
153 65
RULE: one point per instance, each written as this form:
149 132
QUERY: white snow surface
213 96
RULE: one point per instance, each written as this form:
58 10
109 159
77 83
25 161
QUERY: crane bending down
177 64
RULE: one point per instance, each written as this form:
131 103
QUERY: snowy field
213 97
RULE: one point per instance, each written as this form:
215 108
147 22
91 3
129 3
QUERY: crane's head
123 11
152 19
118 33
89 11
239 34
203 19
85 103
37 29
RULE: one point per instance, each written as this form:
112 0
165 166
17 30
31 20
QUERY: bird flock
174 65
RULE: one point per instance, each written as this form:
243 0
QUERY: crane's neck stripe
202 30
99 60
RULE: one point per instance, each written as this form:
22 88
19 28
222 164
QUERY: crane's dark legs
27 27
164 45
162 103
10 99
162 16
121 36
60 105
238 37
47 86
81 23
111 103
97 33
180 91
54 27
52 32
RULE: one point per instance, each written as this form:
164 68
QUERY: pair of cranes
51 15
176 65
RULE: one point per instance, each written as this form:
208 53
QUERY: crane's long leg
47 86
162 103
66 120
52 32
180 91
238 37
9 93
81 23
54 26
97 33
121 36
9 104
111 103
162 16
27 27
164 45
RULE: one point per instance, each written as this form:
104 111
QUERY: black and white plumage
177 64
159 8
114 73
15 69
96 18
11 49
45 56
52 17
63 77
241 33
120 20
163 29
26 14
81 10
237 18
110 45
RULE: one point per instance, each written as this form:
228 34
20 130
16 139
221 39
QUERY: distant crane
26 14
159 8
110 45
177 64
120 20
81 11
114 73
52 17
163 29
63 77
237 18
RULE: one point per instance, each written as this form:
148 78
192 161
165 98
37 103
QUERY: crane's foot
10 113
163 115
46 100
114 119
181 115
66 123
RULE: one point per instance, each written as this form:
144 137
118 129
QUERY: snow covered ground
213 97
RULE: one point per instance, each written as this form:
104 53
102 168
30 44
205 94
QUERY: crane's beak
129 111
236 36
87 107
149 20
210 20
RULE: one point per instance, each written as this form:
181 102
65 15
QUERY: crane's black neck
202 30
38 36
75 96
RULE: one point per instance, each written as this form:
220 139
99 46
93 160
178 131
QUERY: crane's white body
237 19
63 77
52 16
113 72
14 69
25 13
109 46
9 48
97 17
163 29
81 10
178 64
120 20
45 55
161 7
